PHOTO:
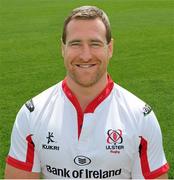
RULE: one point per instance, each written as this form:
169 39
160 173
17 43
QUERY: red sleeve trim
28 164
145 163
19 164
154 174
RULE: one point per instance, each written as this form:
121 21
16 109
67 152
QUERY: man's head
87 13
87 46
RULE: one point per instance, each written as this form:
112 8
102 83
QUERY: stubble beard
89 83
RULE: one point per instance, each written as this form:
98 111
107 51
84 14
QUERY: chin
87 82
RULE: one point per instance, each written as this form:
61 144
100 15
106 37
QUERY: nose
86 54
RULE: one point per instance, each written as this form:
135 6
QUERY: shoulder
131 102
136 112
40 100
33 111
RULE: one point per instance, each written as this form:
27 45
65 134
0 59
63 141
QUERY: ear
110 48
62 48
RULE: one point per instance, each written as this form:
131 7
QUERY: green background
143 61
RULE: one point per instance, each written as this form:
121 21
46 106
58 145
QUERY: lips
85 65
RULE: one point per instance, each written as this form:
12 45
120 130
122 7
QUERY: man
86 126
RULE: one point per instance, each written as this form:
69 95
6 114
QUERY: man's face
86 52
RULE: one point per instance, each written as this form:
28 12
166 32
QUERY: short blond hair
86 13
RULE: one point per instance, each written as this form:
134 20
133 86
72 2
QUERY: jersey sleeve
22 154
150 162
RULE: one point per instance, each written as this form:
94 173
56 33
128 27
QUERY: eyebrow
92 40
74 41
96 40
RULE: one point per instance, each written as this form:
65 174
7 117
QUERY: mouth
85 65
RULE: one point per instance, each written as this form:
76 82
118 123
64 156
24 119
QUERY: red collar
92 105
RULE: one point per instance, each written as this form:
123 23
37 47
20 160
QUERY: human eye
75 44
96 44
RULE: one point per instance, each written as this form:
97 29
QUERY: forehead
85 29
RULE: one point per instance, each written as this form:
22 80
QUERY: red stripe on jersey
103 95
28 164
30 150
145 163
76 104
92 106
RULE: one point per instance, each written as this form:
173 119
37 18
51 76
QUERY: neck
86 94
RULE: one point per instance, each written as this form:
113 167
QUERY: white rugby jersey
117 136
